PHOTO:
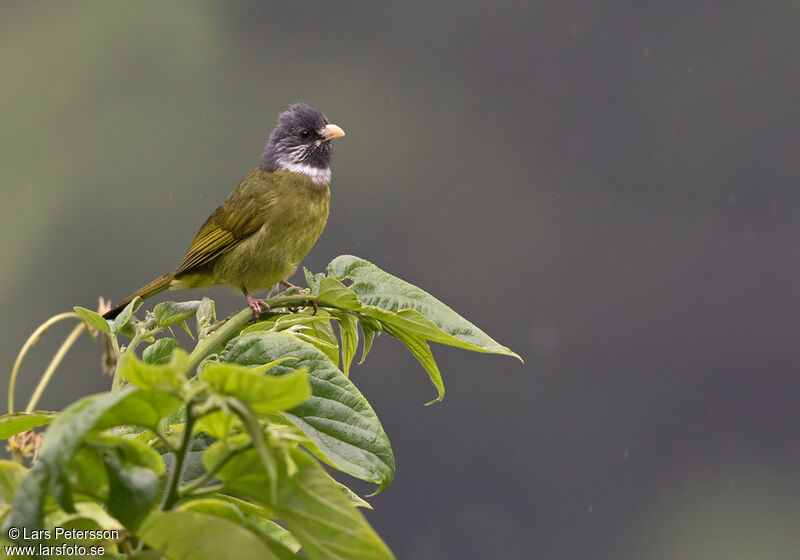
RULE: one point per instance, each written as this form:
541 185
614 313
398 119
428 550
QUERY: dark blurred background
610 189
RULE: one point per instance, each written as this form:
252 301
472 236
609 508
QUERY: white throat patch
318 176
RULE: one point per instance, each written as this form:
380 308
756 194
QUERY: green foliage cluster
215 452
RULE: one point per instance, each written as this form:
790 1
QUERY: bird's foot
257 305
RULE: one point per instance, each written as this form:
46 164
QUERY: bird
269 223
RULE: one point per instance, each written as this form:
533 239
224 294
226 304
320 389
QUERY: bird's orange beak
331 131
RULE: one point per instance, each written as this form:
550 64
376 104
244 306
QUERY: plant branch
217 340
141 334
54 363
32 339
171 496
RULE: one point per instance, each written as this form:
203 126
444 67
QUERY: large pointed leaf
425 315
336 418
310 503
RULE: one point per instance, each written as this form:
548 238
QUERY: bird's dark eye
305 133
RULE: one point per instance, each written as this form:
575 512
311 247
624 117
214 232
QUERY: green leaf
336 418
93 319
322 336
422 352
205 316
263 392
256 519
370 332
265 452
18 422
171 312
348 327
311 504
131 451
160 351
88 472
322 518
85 510
286 321
313 281
48 477
142 407
133 491
169 376
248 508
217 424
125 316
127 330
316 329
351 496
335 294
424 315
188 535
11 474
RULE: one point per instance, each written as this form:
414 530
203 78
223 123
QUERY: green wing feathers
209 242
238 218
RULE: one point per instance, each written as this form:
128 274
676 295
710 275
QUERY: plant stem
180 459
32 339
54 363
216 340
142 334
210 474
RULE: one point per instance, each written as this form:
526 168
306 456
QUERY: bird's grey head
301 143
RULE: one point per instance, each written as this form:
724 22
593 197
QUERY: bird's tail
158 285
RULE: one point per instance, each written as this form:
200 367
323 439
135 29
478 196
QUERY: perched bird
270 221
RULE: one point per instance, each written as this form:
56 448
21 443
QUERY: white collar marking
318 176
